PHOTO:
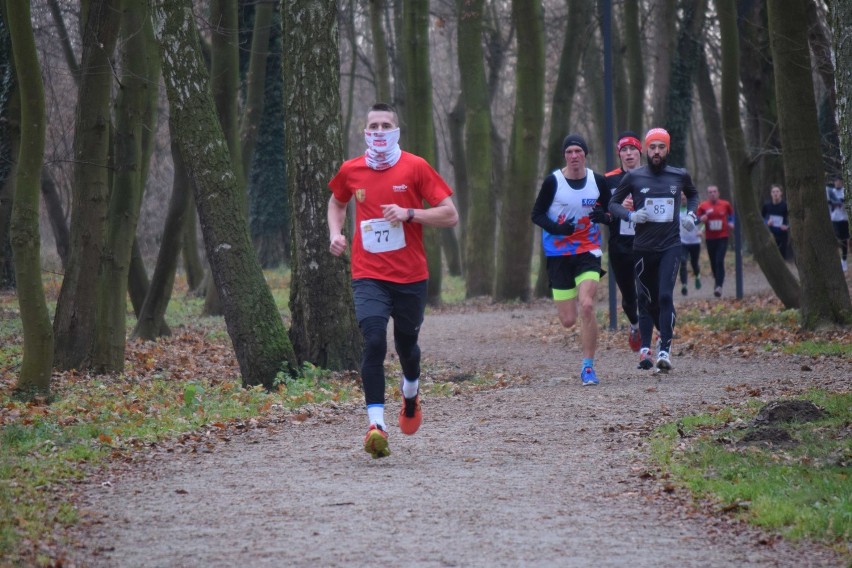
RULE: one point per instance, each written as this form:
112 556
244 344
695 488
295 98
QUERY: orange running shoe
410 416
376 442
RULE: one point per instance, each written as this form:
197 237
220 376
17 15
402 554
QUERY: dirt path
545 473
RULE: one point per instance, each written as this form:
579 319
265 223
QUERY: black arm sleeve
615 202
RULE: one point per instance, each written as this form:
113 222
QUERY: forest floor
539 472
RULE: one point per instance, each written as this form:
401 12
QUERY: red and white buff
383 149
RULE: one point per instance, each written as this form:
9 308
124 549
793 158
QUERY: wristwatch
410 216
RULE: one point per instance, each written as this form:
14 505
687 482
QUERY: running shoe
664 362
410 416
589 377
376 442
684 290
645 362
698 283
634 339
718 292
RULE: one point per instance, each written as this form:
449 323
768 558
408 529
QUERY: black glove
598 215
566 228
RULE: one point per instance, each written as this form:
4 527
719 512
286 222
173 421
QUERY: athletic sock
587 362
376 414
410 387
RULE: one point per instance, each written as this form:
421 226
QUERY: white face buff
381 141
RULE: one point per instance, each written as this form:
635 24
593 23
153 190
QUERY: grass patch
802 490
816 348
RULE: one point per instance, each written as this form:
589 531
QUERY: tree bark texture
841 24
480 230
224 84
269 208
10 138
381 63
684 65
635 67
515 242
55 214
256 80
36 367
192 263
662 51
825 295
137 90
252 319
420 135
821 49
324 330
74 322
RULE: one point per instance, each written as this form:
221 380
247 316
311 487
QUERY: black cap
574 140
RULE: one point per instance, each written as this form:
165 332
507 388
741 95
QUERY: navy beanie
574 140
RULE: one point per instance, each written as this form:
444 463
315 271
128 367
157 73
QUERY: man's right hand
338 245
639 217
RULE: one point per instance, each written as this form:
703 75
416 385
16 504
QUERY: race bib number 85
380 235
660 209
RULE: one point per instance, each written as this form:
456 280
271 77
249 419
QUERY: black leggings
656 274
716 250
689 252
625 279
374 330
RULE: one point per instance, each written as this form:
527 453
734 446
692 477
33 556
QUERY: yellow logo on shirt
360 194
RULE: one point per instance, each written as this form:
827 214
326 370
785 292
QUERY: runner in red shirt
718 218
389 273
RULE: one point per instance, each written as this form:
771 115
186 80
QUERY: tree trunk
458 160
515 241
324 330
825 295
719 163
684 65
137 88
10 138
841 24
252 319
821 49
192 263
635 66
381 63
256 81
151 321
36 367
480 229
662 51
757 77
224 85
74 322
269 209
420 136
55 214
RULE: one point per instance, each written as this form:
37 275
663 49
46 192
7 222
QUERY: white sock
409 387
376 413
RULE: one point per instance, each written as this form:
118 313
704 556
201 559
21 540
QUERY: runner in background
776 217
718 218
621 234
690 251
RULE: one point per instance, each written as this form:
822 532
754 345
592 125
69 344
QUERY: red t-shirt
716 226
407 184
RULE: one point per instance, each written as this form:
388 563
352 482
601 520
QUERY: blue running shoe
589 377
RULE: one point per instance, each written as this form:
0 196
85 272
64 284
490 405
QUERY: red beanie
658 134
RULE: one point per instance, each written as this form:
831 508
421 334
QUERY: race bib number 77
381 235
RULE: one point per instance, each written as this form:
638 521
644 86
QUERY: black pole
605 7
